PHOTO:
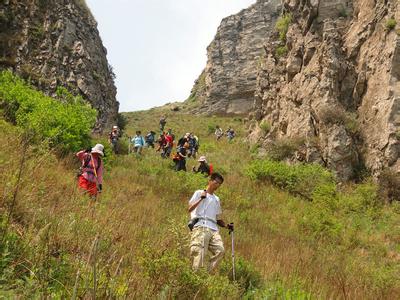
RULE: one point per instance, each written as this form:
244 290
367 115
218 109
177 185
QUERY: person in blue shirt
138 142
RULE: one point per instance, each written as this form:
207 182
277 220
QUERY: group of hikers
204 206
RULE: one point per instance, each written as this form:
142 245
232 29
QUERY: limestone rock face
56 43
338 85
229 80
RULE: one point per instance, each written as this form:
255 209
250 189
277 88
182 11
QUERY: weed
281 51
390 24
282 26
283 148
265 127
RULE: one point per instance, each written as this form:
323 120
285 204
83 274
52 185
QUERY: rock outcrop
336 85
228 82
56 43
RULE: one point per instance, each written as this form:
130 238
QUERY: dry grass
144 203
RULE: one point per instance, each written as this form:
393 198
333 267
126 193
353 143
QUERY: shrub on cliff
65 124
282 26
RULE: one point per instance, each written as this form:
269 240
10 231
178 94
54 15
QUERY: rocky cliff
228 82
56 43
326 80
333 81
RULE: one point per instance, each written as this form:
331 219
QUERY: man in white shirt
205 212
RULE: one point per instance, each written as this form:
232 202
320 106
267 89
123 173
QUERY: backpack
149 138
85 164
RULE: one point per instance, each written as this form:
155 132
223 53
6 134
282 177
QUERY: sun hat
98 148
202 158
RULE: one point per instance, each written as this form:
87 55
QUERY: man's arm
193 206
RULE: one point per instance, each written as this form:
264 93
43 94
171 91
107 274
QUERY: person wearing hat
204 167
113 138
90 177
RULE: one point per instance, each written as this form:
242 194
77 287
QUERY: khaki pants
204 238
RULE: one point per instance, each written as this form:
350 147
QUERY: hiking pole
233 252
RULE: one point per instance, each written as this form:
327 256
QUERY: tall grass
343 244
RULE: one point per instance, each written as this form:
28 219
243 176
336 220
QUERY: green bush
282 26
210 128
281 51
246 274
283 148
168 272
265 127
302 179
65 124
390 24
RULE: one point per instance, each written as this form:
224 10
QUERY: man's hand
99 188
230 226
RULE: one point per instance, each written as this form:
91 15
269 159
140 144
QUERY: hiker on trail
169 143
218 132
161 143
113 138
90 177
204 167
184 139
163 121
192 146
180 158
230 134
138 142
205 212
150 138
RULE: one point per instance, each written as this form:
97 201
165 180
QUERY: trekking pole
129 145
233 254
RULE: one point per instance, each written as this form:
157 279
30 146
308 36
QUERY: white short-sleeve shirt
209 207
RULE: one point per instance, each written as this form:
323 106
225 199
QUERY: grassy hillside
338 242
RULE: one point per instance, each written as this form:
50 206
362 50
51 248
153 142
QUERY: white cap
99 148
202 158
115 127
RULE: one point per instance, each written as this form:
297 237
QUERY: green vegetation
65 125
265 127
300 180
333 115
390 24
283 148
282 26
281 51
133 243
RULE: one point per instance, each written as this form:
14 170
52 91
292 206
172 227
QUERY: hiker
169 143
150 138
184 139
204 167
192 145
230 134
138 142
163 121
161 143
113 138
90 177
205 212
218 132
180 158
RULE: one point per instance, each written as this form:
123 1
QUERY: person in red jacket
91 176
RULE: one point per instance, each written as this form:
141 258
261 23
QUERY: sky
158 47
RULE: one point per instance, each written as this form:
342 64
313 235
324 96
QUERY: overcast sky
158 47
